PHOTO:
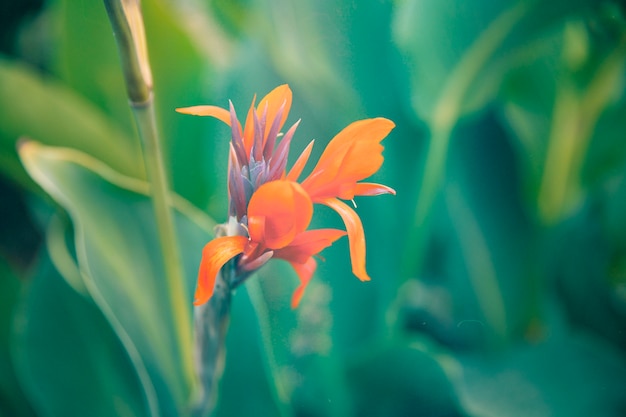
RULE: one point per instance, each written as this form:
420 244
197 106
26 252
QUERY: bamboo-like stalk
127 22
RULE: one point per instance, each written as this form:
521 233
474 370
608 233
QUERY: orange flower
274 208
278 215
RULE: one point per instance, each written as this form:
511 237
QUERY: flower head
278 215
253 157
274 209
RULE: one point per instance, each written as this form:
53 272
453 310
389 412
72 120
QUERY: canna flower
273 209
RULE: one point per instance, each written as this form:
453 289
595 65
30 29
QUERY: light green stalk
446 113
127 22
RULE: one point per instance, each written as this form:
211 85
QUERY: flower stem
211 324
127 23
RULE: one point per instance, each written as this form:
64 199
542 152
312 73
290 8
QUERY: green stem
127 23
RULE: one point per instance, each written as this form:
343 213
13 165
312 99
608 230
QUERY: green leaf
306 361
246 360
119 254
403 379
457 52
566 373
44 110
458 55
13 401
490 277
183 69
86 58
563 159
67 356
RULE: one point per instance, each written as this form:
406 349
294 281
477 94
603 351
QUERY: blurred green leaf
479 287
457 52
247 361
59 243
13 401
306 366
86 58
569 373
616 207
44 110
402 380
119 254
588 273
482 261
557 150
20 236
606 154
68 358
230 15
184 72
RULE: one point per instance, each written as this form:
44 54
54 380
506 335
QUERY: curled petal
213 111
356 236
305 273
371 189
214 256
370 130
278 211
352 155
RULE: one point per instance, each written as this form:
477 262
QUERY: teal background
498 270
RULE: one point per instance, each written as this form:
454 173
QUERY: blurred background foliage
499 269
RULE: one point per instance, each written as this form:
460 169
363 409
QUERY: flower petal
274 100
298 166
269 142
213 111
248 129
356 236
277 212
353 154
305 273
214 256
278 160
372 189
308 243
374 130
